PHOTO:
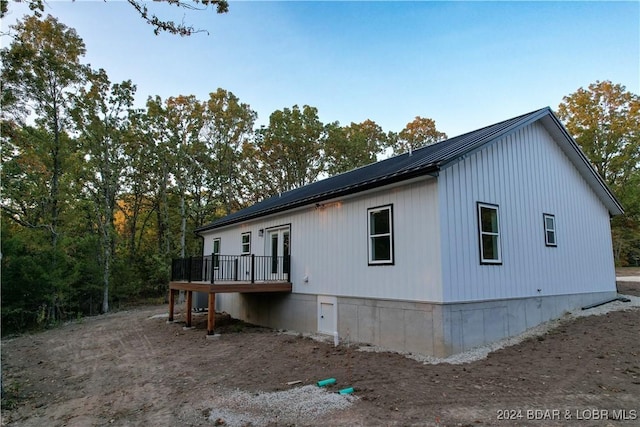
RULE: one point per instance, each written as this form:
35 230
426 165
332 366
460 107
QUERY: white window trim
481 233
370 236
214 253
242 243
547 230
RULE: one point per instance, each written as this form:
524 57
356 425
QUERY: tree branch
160 25
15 216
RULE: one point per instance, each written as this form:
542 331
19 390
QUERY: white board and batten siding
329 252
527 175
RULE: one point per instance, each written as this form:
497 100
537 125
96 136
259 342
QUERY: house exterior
452 246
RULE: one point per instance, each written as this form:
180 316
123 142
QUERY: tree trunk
162 214
106 218
55 178
133 225
183 226
107 265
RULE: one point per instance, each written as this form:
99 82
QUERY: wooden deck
217 288
231 286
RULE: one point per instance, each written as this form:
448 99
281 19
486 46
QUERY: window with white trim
380 226
216 253
246 243
550 230
489 234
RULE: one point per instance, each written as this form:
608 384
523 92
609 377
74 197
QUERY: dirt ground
628 288
131 368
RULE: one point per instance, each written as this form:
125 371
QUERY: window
550 230
380 235
489 228
246 243
216 253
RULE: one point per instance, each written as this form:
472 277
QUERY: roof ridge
425 160
517 118
411 154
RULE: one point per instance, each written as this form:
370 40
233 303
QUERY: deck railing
231 268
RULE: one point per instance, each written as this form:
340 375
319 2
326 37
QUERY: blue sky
463 64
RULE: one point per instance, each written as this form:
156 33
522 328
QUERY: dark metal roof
424 161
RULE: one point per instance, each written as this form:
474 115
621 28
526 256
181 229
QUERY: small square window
380 221
246 243
550 230
489 234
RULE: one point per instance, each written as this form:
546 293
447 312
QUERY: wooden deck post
171 304
189 303
211 315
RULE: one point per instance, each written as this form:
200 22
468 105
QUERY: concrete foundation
422 328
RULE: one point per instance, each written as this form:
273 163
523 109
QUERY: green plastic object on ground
326 382
348 390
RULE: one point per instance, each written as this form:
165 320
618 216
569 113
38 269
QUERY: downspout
598 304
202 243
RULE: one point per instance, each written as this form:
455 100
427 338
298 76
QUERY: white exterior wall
526 174
329 245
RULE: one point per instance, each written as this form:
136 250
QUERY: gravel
300 405
628 279
481 352
159 316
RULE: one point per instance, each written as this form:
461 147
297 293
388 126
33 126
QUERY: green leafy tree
352 146
228 124
604 119
143 209
135 204
26 177
154 123
418 133
257 181
180 163
41 71
101 116
184 123
30 282
290 149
